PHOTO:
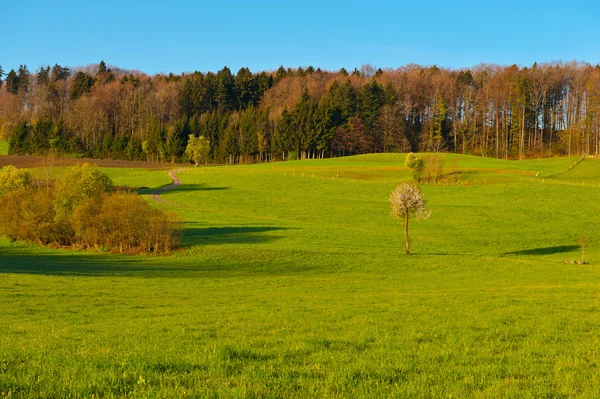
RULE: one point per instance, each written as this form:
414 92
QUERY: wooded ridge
500 111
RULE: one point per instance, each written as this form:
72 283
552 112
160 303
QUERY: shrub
80 212
77 184
416 163
124 222
27 214
12 179
433 167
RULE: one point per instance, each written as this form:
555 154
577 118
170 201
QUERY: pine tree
102 68
225 90
371 101
60 73
82 83
247 88
43 76
12 82
24 78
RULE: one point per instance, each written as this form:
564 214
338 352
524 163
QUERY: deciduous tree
407 201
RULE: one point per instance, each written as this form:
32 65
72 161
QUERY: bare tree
407 200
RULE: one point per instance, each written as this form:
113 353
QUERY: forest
102 111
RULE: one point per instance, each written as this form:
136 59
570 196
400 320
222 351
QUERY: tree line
106 112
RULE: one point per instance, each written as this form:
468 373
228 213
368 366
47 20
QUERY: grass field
3 147
292 283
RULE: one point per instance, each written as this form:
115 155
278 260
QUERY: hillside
292 283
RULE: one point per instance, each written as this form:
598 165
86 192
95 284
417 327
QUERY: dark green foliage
176 139
16 138
60 73
82 84
24 78
43 76
12 82
225 96
372 98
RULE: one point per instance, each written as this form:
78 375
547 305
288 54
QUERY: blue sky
182 36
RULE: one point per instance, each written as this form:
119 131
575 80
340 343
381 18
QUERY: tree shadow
184 187
229 235
545 251
194 187
26 260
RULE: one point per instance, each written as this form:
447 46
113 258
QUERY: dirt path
175 183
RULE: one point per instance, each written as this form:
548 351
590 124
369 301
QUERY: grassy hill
292 283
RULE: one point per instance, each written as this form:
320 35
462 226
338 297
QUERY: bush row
79 210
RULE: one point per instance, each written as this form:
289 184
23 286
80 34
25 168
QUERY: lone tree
197 148
407 200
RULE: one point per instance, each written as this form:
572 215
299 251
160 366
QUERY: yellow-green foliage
80 211
416 163
124 222
12 179
76 184
27 214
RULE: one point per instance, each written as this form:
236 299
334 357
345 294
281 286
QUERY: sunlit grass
292 283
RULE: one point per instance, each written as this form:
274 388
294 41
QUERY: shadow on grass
29 259
545 251
184 187
195 187
229 235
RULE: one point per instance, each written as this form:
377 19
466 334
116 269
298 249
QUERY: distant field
292 283
3 147
44 161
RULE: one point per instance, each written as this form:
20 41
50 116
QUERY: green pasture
3 147
292 283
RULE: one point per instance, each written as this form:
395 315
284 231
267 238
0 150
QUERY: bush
12 179
76 185
416 163
80 212
124 222
27 214
432 172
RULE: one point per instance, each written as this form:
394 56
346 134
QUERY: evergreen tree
282 137
371 101
176 140
59 73
102 68
43 76
12 82
16 138
24 78
225 90
82 83
303 116
280 74
247 88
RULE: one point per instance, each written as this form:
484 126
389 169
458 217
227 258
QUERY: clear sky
183 36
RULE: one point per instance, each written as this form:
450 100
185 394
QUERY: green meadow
3 147
291 282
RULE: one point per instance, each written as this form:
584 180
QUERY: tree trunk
406 242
